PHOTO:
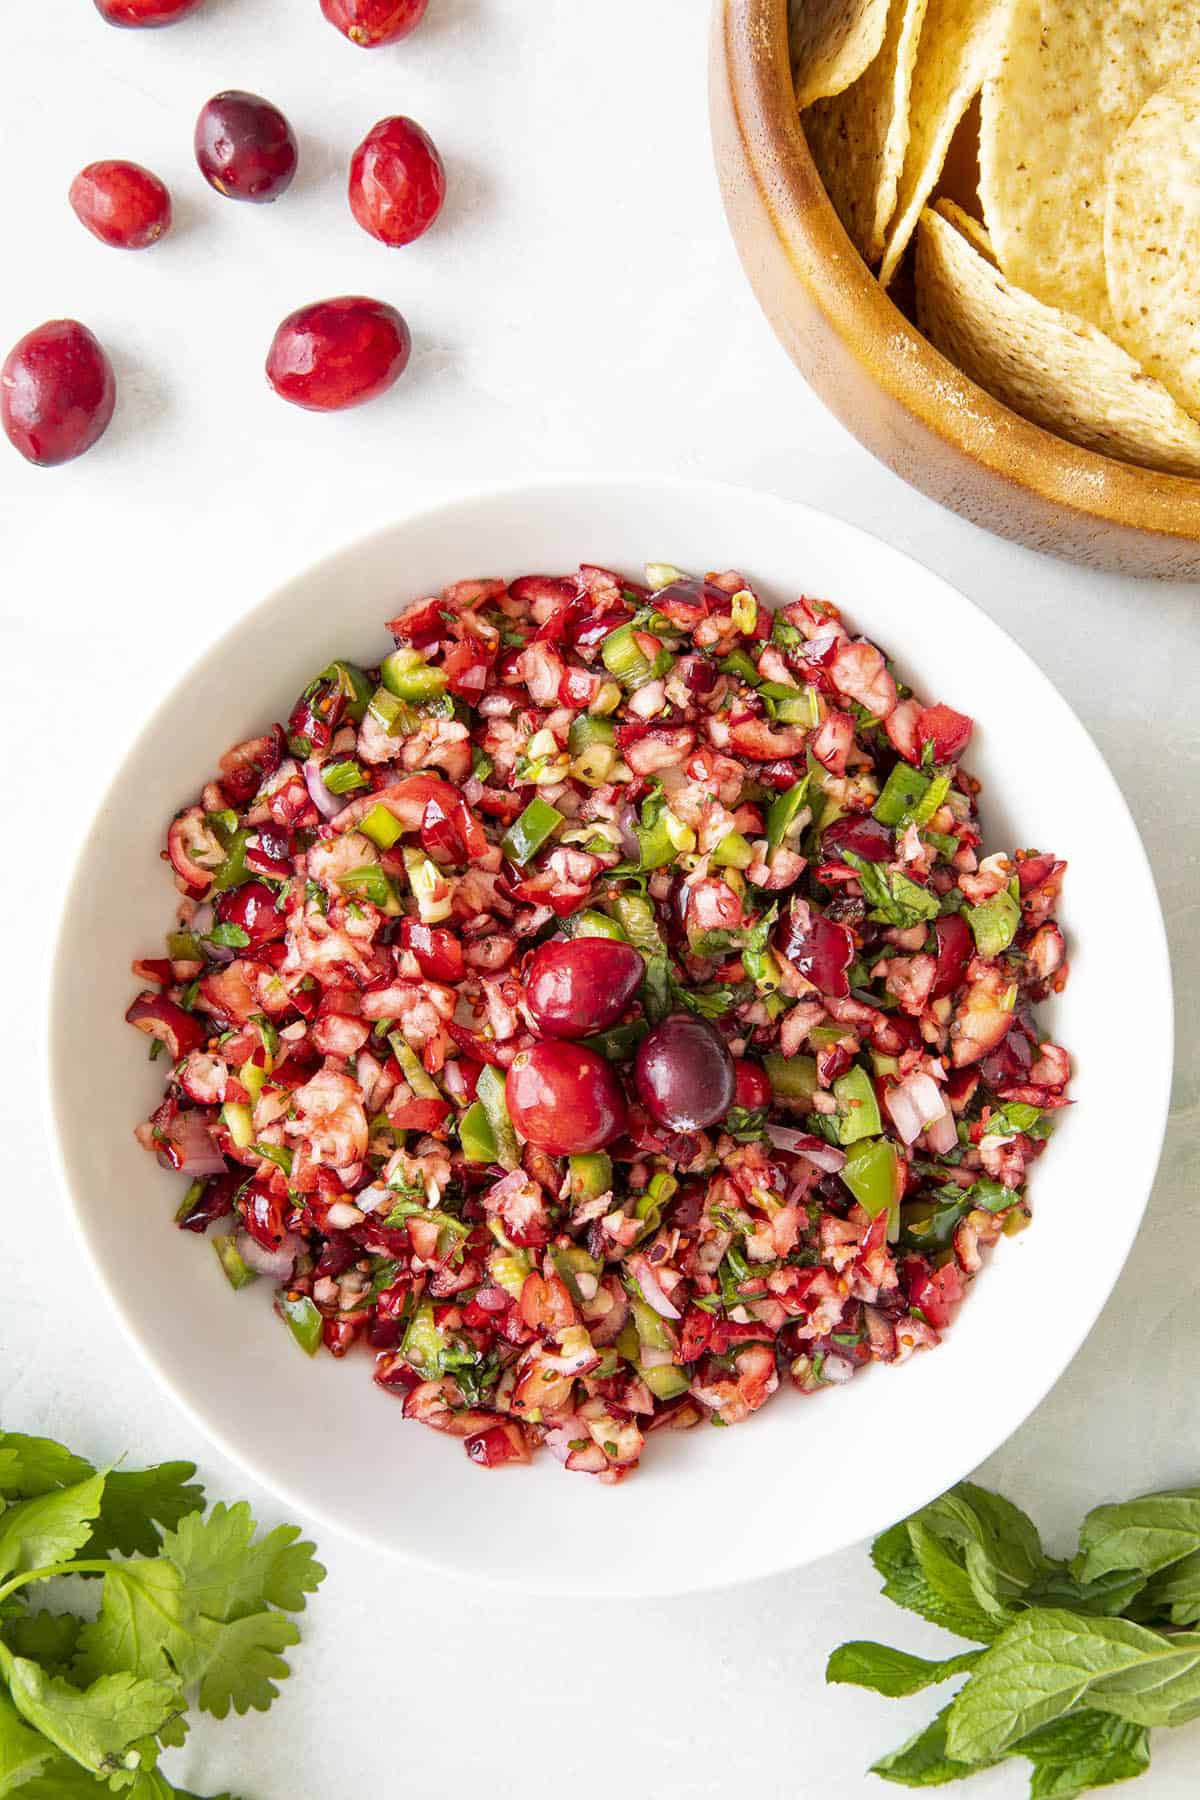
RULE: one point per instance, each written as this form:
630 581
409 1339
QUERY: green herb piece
738 664
184 946
233 872
619 1042
896 900
371 884
785 810
902 793
994 922
635 916
526 835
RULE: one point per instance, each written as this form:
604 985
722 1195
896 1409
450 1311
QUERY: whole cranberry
145 12
338 353
245 147
685 1075
57 392
397 182
564 1099
370 23
582 985
121 203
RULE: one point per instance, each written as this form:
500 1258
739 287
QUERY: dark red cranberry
251 907
861 834
948 731
1008 1062
121 203
581 986
821 949
145 12
338 353
564 1099
57 392
954 950
752 1087
369 23
397 182
245 147
685 1074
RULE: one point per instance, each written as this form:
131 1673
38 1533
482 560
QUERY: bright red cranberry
122 204
439 952
859 833
684 1073
252 907
146 12
581 986
752 1088
397 182
338 353
948 731
820 948
369 23
954 949
245 147
57 392
564 1099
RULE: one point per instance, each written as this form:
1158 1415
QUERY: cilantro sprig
193 1606
1080 1660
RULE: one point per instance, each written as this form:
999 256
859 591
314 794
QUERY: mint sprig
193 1608
1080 1660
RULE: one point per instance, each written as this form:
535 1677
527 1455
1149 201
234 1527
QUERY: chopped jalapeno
535 827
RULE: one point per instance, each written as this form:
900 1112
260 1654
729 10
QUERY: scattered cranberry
146 12
955 948
252 908
338 353
397 182
122 204
685 1074
57 392
564 1099
820 948
245 147
859 833
369 23
753 1086
581 986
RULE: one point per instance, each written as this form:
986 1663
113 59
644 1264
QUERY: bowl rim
899 359
63 952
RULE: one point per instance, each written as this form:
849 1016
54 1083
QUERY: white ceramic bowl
706 1508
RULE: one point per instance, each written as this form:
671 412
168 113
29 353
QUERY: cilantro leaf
44 1637
39 1532
23 1753
33 1465
137 1501
228 1573
145 1626
893 1672
243 1661
96 1726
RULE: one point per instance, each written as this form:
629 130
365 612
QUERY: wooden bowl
871 366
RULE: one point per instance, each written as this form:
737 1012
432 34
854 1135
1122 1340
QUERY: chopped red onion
825 1157
647 1280
327 804
193 1141
278 1265
915 1102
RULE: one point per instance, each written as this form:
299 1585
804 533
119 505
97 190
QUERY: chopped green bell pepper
872 1173
591 1174
666 1381
994 922
490 1094
238 1273
304 1321
526 835
784 810
596 924
903 791
424 1342
792 1077
476 1136
733 852
858 1109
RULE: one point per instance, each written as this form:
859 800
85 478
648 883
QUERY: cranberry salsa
605 1012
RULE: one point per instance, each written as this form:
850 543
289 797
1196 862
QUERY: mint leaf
924 1761
1085 1751
1175 1591
955 1603
49 1529
228 1573
44 1637
1146 1534
242 1661
97 1725
906 1583
1049 1661
23 1752
893 1672
34 1465
137 1501
1002 1552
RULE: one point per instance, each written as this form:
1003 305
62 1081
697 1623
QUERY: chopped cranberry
397 182
369 23
819 948
251 908
955 947
338 353
581 986
564 1099
752 1087
948 731
57 393
439 952
245 147
122 204
859 833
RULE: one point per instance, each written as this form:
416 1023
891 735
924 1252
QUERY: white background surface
578 306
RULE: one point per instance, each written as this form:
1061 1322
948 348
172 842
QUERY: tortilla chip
1152 237
1075 74
960 46
1054 369
977 235
858 138
832 43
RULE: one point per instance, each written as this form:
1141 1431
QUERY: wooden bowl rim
883 339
